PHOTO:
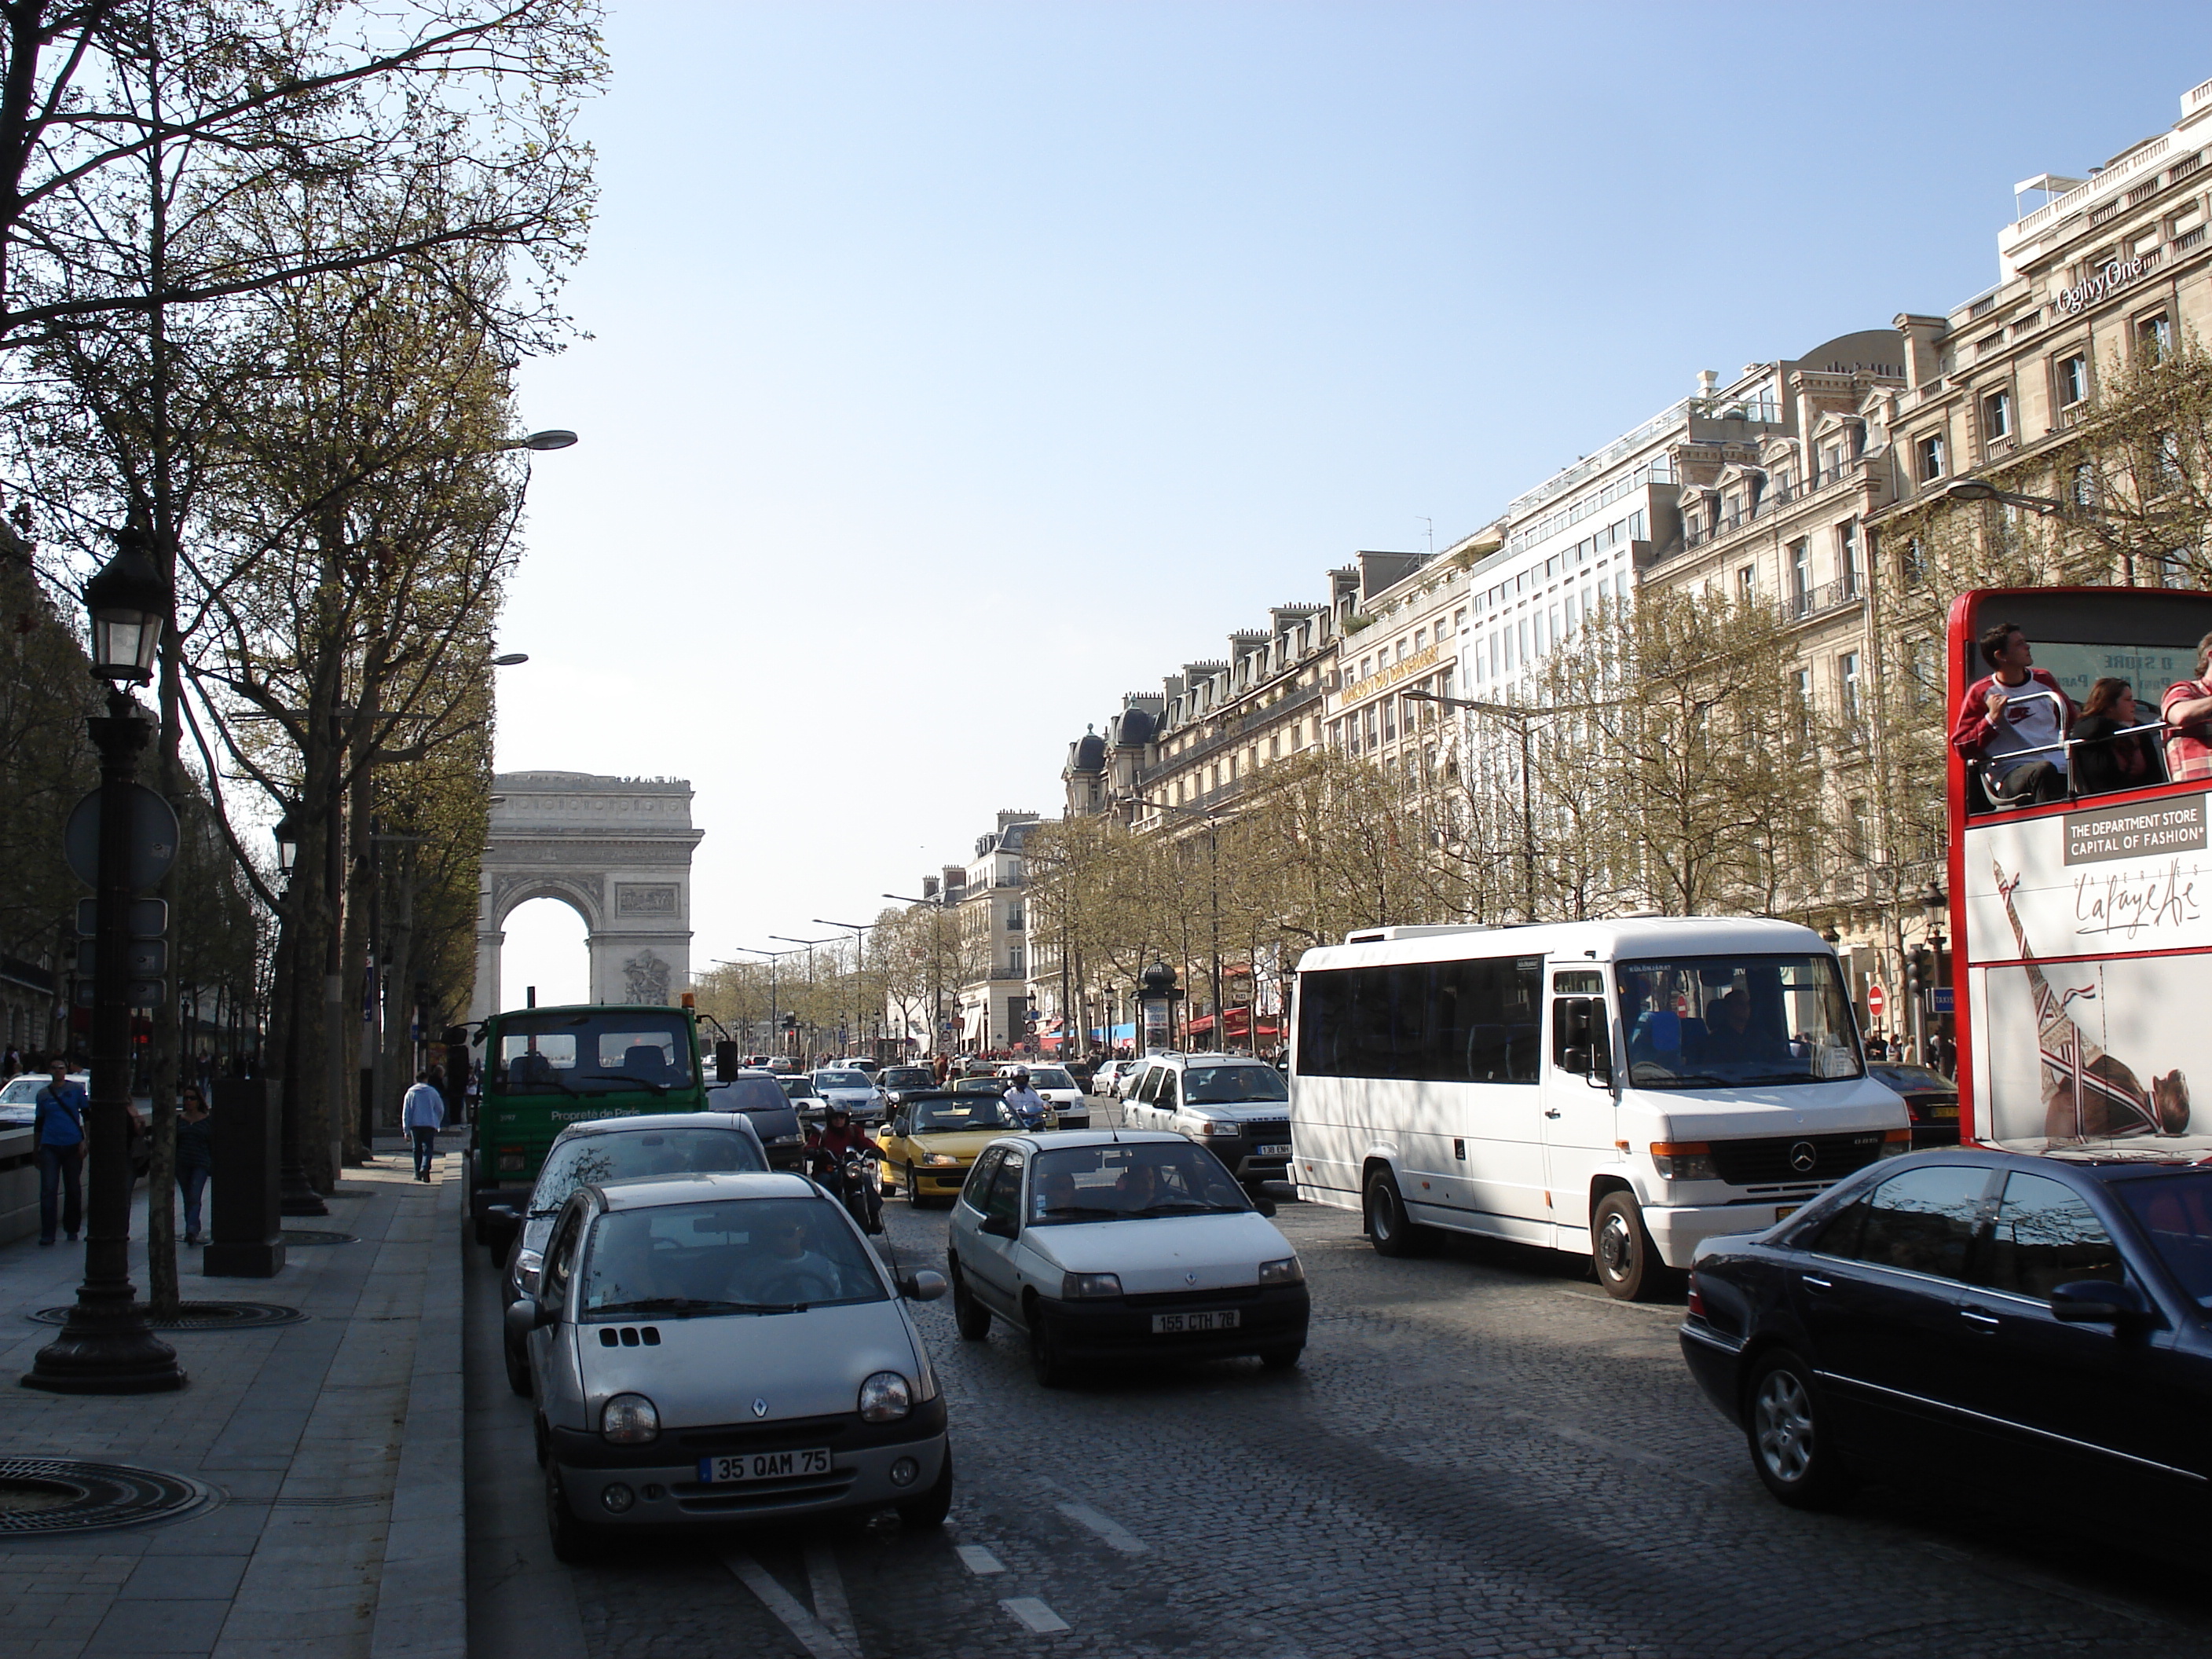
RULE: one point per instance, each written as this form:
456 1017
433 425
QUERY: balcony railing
1770 501
1821 601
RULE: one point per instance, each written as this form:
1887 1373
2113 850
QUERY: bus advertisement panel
2085 923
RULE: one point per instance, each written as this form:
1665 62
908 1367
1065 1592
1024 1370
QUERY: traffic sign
143 959
1939 1000
1877 999
139 994
153 839
150 918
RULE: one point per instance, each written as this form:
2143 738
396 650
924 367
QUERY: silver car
855 1090
727 1348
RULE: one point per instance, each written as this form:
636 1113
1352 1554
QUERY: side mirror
528 1315
1000 1226
2099 1302
923 1286
1262 1203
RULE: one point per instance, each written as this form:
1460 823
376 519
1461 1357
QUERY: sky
955 368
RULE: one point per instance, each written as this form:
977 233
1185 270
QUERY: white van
1621 1088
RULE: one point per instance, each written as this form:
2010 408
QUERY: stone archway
617 851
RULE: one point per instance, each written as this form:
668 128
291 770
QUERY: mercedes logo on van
760 1409
1803 1155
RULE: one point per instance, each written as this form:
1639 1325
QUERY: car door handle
1812 1284
1553 1112
1984 1324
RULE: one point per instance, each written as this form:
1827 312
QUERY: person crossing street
422 1113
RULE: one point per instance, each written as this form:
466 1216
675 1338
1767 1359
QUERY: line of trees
267 268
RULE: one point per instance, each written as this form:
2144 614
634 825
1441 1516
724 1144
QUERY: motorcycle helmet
837 1117
1021 1077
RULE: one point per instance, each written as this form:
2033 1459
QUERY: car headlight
630 1419
941 1160
1288 1271
886 1398
525 1270
1086 1287
1683 1160
1218 1131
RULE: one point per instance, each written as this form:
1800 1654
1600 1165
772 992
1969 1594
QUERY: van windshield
592 1052
1737 1022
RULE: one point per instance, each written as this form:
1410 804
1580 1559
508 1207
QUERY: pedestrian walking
58 1136
195 1156
422 1113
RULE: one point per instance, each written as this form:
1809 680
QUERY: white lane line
978 1560
1035 1615
814 1636
830 1604
1112 1531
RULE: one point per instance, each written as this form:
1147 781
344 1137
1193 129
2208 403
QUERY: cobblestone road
1481 1455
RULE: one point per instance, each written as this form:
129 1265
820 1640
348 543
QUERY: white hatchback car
727 1348
1237 1106
1121 1246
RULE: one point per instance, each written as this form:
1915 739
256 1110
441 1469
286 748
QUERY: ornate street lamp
107 1346
288 841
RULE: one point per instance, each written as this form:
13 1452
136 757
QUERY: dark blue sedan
2042 1318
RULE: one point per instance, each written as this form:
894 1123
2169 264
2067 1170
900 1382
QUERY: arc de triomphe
617 851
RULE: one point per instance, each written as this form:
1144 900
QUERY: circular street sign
153 839
1877 999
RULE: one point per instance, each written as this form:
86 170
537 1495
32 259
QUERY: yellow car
931 1139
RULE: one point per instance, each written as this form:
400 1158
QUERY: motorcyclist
1027 1103
829 1146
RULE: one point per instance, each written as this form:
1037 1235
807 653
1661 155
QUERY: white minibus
1623 1089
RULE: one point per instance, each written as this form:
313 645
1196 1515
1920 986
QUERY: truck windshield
1737 1022
595 1052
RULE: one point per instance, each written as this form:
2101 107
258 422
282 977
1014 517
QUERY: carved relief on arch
583 891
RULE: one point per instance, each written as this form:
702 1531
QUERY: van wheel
1791 1447
1388 1230
972 1318
1627 1262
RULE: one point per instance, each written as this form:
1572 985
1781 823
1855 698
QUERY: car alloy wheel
1781 1425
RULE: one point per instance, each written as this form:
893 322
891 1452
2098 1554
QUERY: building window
1013 918
1996 417
2073 380
1847 684
1014 969
1459 620
1420 641
1929 451
2165 467
1847 557
1801 705
2083 484
1913 563
1521 632
1747 584
1800 575
2154 337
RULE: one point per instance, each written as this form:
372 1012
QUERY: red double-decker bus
2083 973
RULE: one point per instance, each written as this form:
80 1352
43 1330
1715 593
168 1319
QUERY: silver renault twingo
727 1348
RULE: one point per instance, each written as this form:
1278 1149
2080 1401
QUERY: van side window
1426 1021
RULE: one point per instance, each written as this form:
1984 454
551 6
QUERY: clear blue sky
956 368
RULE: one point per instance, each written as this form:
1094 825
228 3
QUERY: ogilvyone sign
2109 277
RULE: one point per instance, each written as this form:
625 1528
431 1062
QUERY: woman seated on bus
2104 760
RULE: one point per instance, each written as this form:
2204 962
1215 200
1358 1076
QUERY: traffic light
1920 968
791 1022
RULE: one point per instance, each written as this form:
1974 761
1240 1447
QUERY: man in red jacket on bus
2014 720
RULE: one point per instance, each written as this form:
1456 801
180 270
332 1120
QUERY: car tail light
1697 1301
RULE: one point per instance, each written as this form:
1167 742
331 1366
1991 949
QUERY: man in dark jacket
58 1136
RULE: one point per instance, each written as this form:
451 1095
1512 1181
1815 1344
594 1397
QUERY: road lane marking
813 1635
830 1604
1034 1615
1107 1528
978 1560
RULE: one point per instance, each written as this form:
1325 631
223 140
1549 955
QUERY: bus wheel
1388 1230
1628 1263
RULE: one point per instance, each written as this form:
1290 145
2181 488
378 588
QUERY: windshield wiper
677 1304
620 1077
1669 1081
1080 1209
1189 1206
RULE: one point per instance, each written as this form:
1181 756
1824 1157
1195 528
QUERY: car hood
709 1371
962 1144
1709 1114
1167 1253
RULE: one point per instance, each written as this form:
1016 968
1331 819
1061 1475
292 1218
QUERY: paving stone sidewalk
332 1449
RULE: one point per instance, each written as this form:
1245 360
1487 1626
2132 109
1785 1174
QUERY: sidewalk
332 1450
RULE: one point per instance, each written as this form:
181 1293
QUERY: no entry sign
1877 999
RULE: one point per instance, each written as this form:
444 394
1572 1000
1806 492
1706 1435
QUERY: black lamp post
296 1193
107 1346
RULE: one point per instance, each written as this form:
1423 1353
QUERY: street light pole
107 1347
1523 720
809 944
2044 507
774 957
936 970
860 977
1213 885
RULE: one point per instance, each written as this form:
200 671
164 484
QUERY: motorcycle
852 1180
